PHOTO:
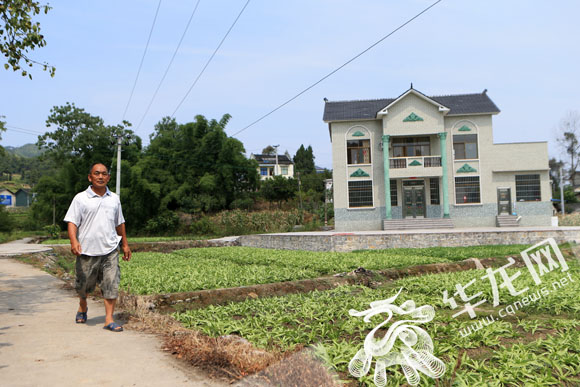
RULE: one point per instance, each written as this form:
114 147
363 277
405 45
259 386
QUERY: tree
304 160
555 166
279 189
269 150
19 34
79 140
569 141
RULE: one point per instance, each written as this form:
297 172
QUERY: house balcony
415 166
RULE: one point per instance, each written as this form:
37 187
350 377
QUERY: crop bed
538 344
211 268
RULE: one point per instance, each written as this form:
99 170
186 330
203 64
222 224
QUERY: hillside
26 151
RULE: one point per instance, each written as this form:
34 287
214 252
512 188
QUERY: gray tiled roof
367 109
271 159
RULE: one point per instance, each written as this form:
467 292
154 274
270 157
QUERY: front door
414 199
504 201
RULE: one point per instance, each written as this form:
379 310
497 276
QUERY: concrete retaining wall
344 242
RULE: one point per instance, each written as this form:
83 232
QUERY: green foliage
193 168
52 231
6 222
498 354
279 189
19 34
165 223
304 160
207 268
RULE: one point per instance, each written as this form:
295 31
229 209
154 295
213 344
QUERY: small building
7 198
272 165
23 197
412 157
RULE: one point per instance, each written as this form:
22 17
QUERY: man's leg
109 310
110 286
82 304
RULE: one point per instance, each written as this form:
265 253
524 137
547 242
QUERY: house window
264 171
528 188
284 170
393 192
360 193
411 146
358 151
434 191
465 146
467 190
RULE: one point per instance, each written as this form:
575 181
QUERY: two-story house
418 157
274 165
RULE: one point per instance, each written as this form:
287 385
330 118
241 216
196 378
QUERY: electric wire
169 65
337 69
142 60
210 59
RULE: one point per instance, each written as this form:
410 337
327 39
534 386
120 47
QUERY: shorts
103 270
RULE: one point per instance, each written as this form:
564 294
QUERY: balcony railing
406 162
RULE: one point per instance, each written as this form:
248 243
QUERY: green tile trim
466 168
359 173
358 133
415 163
464 128
412 117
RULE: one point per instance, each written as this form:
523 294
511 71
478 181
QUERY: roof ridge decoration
464 128
359 173
412 118
466 168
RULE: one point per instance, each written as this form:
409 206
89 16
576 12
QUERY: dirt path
40 344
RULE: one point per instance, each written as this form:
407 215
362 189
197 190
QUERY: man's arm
124 243
75 246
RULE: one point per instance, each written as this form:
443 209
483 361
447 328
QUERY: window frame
361 147
457 144
537 190
466 194
363 204
394 192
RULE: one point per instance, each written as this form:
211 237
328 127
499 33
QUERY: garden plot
212 268
533 344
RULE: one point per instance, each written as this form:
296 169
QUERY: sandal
113 327
81 317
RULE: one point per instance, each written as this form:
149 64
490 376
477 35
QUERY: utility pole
276 167
562 191
119 138
300 197
327 187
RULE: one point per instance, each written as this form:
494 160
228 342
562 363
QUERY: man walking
96 226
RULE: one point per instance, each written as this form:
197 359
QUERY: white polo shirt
96 218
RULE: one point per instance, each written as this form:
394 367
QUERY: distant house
272 165
7 198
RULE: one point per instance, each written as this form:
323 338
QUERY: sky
524 52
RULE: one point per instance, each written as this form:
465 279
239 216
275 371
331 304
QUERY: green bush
53 231
165 223
240 222
6 221
203 226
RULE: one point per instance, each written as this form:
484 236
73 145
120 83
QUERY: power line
22 130
210 59
169 65
337 69
142 60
